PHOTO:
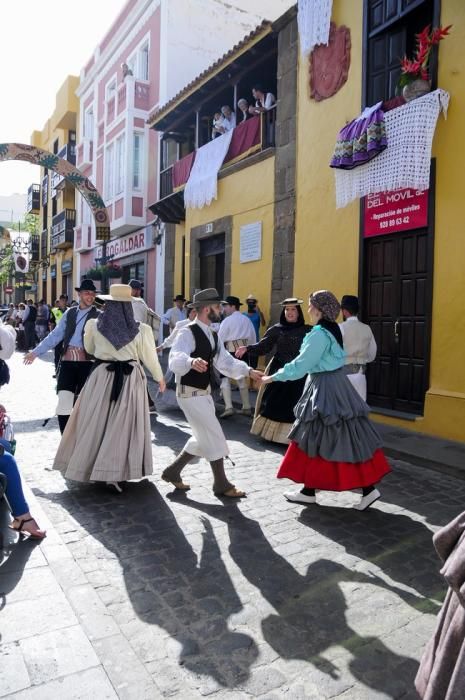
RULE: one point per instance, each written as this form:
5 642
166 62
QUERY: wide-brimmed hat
87 285
135 284
232 301
291 301
206 297
118 292
179 297
251 297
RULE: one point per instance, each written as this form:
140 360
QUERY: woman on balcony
107 437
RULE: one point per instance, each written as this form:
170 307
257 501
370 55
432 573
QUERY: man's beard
213 316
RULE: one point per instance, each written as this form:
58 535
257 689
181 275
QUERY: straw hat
118 292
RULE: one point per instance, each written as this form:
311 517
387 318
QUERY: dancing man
194 354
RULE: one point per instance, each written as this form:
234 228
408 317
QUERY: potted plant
113 270
415 79
94 273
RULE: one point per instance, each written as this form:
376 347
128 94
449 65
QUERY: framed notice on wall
250 242
392 212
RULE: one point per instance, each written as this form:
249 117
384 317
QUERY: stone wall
170 235
285 159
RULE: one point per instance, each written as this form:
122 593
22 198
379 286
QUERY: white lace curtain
407 159
201 187
313 19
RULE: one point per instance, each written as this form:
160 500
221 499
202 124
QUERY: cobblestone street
152 594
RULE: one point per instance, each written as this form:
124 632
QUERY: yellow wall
63 119
247 196
327 239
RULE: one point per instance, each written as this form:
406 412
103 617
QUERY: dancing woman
334 446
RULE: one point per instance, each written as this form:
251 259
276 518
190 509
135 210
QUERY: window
137 152
143 72
111 89
119 164
88 126
109 168
392 25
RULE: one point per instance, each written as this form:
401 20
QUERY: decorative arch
37 156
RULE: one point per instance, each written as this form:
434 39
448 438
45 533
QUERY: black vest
71 324
203 349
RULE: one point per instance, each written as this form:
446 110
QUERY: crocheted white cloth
313 19
201 187
407 159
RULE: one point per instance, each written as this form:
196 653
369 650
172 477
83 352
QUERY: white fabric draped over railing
406 161
313 20
201 187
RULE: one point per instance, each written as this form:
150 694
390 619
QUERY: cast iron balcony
63 229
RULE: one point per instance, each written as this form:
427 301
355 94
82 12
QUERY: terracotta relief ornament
329 65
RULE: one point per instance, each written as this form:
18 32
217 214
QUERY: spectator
229 118
264 101
29 323
42 319
20 334
176 313
10 315
243 110
23 522
217 127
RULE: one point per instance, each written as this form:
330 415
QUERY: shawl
116 323
313 20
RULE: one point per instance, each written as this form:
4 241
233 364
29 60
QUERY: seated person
229 118
264 101
217 125
243 110
23 522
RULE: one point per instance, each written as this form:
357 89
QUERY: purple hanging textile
361 139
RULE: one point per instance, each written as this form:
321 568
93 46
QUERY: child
218 128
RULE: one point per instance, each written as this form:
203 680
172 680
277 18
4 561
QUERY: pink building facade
119 86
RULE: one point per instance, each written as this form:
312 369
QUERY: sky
43 41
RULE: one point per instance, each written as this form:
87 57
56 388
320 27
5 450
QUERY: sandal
180 485
234 493
37 535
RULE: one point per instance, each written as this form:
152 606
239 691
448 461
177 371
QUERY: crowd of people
225 119
312 397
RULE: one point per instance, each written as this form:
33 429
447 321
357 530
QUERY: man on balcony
264 101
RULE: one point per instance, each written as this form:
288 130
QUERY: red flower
425 40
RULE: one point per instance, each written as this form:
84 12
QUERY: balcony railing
68 152
63 229
44 243
35 247
33 199
44 190
84 152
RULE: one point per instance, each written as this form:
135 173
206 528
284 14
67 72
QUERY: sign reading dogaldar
128 245
391 212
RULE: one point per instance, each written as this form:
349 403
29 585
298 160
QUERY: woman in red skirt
334 446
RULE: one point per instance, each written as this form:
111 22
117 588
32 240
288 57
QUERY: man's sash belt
233 345
183 391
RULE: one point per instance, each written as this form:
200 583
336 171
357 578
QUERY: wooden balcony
63 229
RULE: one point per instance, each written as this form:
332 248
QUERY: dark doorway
397 293
212 262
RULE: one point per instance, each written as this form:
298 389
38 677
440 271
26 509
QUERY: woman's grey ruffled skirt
332 420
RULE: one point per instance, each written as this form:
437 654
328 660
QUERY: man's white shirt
236 326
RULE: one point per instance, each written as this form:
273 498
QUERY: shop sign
128 245
250 247
66 267
392 212
8 290
53 271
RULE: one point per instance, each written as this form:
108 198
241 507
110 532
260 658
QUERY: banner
21 251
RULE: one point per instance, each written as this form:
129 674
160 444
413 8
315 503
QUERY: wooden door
397 293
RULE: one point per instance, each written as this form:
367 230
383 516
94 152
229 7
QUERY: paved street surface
152 594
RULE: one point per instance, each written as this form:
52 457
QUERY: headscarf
326 302
287 325
116 323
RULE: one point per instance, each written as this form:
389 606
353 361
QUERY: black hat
135 284
233 301
87 285
206 297
179 297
